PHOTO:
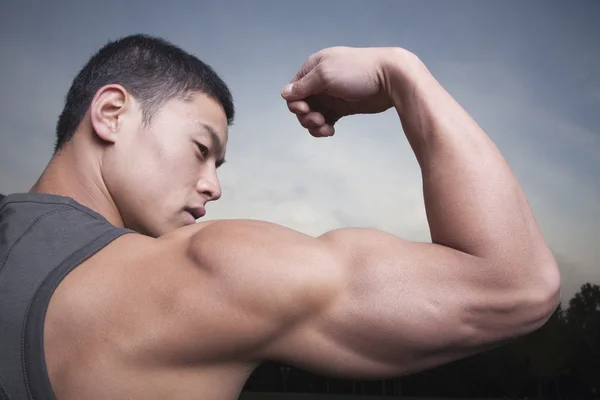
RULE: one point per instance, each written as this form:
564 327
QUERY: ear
106 110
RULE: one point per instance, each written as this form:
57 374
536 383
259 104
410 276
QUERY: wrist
401 70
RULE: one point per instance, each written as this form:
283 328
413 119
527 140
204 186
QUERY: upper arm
398 308
353 302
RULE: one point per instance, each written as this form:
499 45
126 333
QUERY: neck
71 176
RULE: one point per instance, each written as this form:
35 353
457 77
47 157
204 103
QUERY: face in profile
161 175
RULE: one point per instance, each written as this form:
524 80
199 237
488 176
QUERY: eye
203 150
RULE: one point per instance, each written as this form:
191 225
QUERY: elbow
522 306
537 298
545 293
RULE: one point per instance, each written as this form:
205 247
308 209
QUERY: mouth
196 212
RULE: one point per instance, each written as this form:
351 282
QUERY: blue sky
528 72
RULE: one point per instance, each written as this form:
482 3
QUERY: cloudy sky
528 72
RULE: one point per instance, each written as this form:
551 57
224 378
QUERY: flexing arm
474 203
488 275
364 303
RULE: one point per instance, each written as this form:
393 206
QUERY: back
42 238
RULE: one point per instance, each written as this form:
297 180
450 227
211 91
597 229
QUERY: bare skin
188 311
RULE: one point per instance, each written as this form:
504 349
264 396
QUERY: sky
528 72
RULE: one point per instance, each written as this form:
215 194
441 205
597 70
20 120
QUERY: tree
549 352
583 326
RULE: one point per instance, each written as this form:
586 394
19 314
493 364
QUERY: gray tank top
42 238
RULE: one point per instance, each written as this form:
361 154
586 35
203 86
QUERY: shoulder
180 295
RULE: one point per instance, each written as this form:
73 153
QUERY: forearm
473 200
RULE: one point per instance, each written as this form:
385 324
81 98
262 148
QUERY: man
110 290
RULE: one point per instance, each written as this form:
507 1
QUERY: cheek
173 168
167 168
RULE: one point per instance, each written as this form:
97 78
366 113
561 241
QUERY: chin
156 230
148 227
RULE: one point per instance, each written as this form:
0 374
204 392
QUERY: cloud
314 185
528 76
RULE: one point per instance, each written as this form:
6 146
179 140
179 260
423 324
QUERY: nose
209 187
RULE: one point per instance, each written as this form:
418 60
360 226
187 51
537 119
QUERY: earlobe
106 109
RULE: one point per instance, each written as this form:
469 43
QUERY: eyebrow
217 144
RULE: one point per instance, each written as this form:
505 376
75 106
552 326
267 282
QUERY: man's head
154 121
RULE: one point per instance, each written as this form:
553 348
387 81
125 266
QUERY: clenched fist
340 81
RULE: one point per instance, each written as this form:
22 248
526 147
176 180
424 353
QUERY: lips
197 212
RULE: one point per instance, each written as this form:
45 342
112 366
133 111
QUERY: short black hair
152 69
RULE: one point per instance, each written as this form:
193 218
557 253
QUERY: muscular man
110 290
